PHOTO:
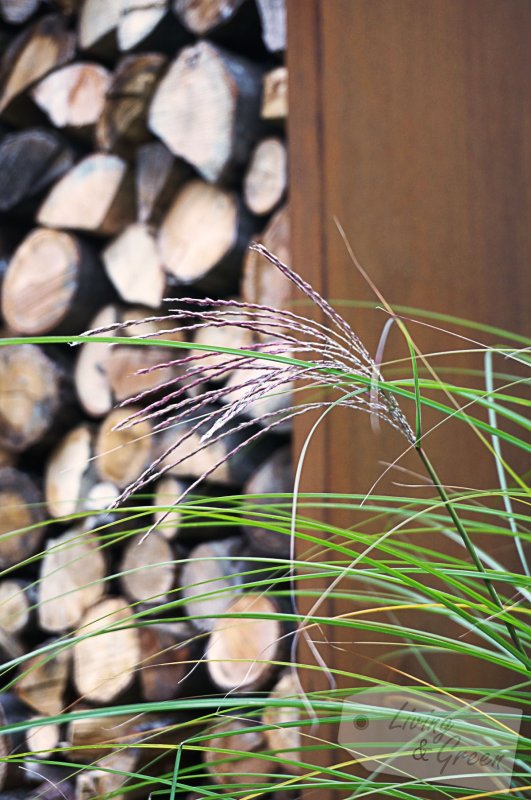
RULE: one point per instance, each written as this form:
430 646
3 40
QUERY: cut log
105 664
234 337
41 47
72 579
30 161
283 736
125 361
122 455
43 679
17 12
275 476
262 282
202 17
134 266
167 657
73 97
22 516
243 653
275 95
167 492
209 582
42 740
97 26
109 777
95 196
203 237
38 403
101 496
70 474
273 17
236 763
267 176
150 26
148 569
123 123
207 109
158 175
90 374
54 282
16 600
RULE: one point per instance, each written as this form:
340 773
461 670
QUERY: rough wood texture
30 161
32 54
15 605
73 97
134 267
212 262
158 175
97 26
275 94
206 109
90 375
71 579
262 282
54 282
121 455
148 569
266 179
284 737
209 581
95 196
275 476
123 125
240 764
167 658
22 507
104 666
273 17
43 679
69 473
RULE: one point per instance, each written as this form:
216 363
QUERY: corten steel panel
410 120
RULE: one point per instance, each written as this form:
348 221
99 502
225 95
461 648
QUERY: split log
54 282
203 17
244 384
42 740
97 26
203 237
123 122
240 765
207 109
90 374
101 496
273 17
234 24
16 601
30 161
267 176
125 362
122 455
167 492
275 95
73 97
72 579
43 679
41 47
149 26
95 196
148 569
109 776
209 583
243 653
105 664
275 476
262 282
17 12
21 528
168 652
70 473
158 174
283 736
234 337
38 404
134 266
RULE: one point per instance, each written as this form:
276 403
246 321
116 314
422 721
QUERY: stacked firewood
142 146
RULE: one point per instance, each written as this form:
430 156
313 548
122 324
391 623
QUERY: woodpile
142 147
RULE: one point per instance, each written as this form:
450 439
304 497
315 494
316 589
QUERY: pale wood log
266 179
242 653
97 26
123 122
207 109
31 161
54 282
72 579
43 679
158 175
243 384
283 736
104 666
106 780
262 282
17 12
21 530
275 94
42 740
273 17
275 476
134 266
122 455
94 196
125 361
168 652
202 17
237 338
70 473
150 26
100 496
241 765
73 97
37 50
167 492
38 404
90 374
148 569
209 582
16 600
203 237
